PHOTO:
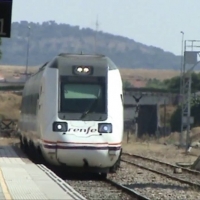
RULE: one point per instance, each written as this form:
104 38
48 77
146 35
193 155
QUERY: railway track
130 182
104 189
183 175
92 187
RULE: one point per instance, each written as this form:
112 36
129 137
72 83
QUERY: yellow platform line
4 187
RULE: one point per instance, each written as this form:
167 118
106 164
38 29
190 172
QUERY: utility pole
165 111
182 87
137 100
181 67
190 59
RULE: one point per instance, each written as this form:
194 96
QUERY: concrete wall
151 100
149 117
129 113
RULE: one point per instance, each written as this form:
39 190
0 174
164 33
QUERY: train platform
22 179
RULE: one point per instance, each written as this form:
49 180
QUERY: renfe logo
82 130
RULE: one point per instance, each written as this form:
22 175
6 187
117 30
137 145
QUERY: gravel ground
185 175
93 190
154 186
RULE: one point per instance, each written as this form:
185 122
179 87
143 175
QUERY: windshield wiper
89 109
90 106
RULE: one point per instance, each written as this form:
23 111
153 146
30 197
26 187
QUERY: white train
72 113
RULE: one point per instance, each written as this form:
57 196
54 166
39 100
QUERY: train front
89 124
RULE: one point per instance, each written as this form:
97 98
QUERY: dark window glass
31 95
79 97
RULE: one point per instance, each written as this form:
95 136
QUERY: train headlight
105 128
86 69
82 70
60 126
79 69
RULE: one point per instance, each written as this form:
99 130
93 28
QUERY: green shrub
175 120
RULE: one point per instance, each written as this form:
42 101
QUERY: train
72 113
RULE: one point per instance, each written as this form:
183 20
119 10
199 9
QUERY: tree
174 83
175 120
155 83
127 84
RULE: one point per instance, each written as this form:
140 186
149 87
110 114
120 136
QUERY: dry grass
173 138
140 77
8 141
8 70
9 105
148 73
155 148
163 148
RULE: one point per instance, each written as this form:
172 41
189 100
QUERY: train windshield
82 97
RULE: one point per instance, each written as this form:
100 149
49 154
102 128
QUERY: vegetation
49 39
155 83
175 120
9 106
174 84
127 84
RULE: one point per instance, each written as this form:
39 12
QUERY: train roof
69 59
81 55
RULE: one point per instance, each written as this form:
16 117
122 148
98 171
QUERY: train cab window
78 97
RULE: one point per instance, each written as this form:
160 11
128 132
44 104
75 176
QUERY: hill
49 39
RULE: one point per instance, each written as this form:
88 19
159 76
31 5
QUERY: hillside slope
49 39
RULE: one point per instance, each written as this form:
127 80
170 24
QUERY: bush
175 120
127 84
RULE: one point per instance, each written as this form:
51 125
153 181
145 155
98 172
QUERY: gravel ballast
153 185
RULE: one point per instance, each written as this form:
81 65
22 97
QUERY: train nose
88 158
112 152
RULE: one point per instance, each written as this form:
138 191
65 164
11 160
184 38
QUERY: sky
152 22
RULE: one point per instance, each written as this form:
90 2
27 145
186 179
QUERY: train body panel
75 120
